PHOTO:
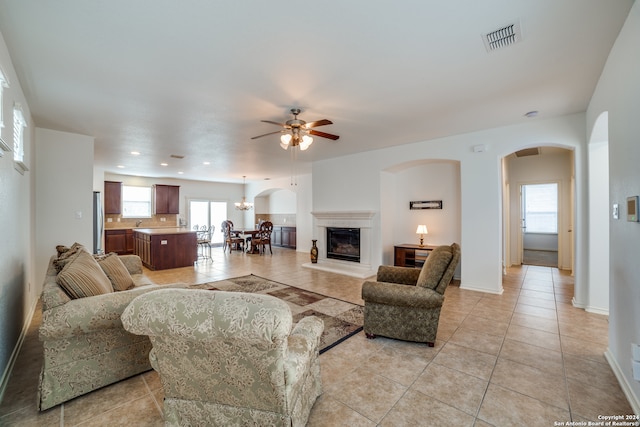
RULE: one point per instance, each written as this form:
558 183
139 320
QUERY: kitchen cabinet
118 241
112 197
167 199
283 236
160 249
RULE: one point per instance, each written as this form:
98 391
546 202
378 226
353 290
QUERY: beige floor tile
585 349
537 302
330 412
487 326
530 310
480 341
589 371
591 400
530 355
416 409
369 394
457 389
502 407
398 366
101 401
466 360
535 337
535 322
142 412
538 384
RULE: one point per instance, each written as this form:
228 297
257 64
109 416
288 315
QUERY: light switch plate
635 352
616 211
636 370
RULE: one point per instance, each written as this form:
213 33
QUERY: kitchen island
163 248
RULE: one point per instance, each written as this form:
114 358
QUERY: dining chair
263 237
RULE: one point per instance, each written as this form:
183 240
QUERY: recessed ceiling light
531 114
206 163
135 153
180 173
164 164
120 167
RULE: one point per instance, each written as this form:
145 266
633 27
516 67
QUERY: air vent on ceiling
528 152
502 37
175 156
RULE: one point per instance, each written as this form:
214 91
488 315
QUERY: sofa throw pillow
116 271
83 277
435 266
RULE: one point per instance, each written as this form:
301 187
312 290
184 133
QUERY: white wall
18 290
618 93
598 296
549 166
433 180
64 193
365 187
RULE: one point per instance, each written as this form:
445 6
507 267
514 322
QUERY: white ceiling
194 78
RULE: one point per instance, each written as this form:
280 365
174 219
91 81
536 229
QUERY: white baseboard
597 310
478 288
4 381
624 384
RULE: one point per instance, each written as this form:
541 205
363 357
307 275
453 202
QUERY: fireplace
343 243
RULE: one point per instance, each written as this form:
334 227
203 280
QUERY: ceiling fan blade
318 123
323 134
270 133
284 125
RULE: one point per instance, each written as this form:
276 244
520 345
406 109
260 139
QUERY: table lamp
422 230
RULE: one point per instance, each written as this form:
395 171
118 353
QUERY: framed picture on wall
428 204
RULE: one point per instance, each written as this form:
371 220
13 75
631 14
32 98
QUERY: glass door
208 213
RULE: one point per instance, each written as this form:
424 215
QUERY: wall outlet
163 219
635 352
636 370
118 220
109 219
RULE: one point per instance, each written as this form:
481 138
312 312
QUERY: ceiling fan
297 132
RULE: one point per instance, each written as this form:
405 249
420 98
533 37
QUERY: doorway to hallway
539 216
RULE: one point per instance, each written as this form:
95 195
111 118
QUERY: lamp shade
422 229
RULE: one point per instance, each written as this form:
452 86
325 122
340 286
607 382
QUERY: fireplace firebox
343 243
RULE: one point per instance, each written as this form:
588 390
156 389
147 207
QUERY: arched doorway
543 166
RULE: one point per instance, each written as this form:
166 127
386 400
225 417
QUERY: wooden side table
411 255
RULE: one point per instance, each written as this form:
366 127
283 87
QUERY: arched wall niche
419 180
278 205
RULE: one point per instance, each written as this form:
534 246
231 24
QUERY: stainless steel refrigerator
98 223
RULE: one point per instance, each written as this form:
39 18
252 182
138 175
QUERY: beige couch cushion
435 266
83 277
116 272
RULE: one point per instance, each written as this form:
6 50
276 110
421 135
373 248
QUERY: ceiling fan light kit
297 132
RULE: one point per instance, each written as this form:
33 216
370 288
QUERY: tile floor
526 357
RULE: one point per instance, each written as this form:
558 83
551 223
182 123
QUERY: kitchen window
136 202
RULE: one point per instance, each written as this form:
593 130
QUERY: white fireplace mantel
364 220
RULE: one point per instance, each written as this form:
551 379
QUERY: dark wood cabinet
112 197
283 236
118 241
163 251
410 255
167 199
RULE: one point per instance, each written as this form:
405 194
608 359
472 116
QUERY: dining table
246 233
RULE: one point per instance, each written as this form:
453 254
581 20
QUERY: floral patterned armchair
229 358
404 303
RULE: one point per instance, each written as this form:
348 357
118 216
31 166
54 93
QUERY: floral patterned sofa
85 345
229 358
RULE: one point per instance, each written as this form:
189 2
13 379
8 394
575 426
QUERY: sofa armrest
400 295
85 315
400 275
303 344
132 262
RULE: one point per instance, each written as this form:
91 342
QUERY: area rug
341 319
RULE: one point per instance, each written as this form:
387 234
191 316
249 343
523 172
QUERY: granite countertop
130 227
164 230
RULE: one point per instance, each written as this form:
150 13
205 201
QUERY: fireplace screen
343 244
